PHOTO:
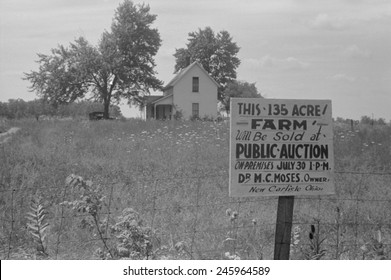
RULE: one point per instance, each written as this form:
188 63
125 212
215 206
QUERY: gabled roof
155 98
152 98
183 72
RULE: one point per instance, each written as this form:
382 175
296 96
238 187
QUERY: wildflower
234 216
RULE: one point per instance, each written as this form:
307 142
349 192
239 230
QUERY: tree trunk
106 105
107 98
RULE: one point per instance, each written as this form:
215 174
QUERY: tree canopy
217 53
239 89
120 66
38 108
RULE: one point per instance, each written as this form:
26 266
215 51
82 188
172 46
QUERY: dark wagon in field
96 116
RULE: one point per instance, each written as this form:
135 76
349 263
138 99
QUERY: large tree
217 53
239 89
120 66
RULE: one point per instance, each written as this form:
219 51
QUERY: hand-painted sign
281 147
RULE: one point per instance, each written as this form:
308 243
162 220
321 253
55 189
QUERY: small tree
120 66
238 89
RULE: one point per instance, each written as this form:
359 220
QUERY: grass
174 175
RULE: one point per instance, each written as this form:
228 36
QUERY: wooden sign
281 147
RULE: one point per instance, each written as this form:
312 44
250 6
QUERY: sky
291 49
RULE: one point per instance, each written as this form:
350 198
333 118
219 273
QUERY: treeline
364 120
38 109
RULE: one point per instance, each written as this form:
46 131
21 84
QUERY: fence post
282 240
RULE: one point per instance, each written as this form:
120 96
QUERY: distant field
174 177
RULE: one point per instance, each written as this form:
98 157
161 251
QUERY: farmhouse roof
152 98
155 98
183 72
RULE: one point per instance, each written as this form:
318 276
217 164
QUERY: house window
196 84
195 108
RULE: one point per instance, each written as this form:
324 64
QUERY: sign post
282 239
281 147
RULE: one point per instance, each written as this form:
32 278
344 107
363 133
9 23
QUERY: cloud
267 61
263 62
353 51
340 15
327 22
294 63
343 78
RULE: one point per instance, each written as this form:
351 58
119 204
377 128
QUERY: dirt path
6 136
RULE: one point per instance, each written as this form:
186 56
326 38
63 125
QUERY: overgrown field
159 190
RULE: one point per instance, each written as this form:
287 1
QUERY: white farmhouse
191 93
